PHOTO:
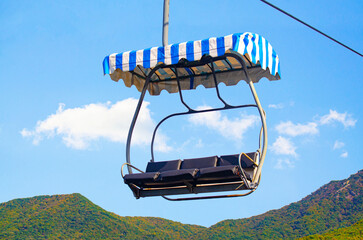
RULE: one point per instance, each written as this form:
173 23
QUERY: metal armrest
128 164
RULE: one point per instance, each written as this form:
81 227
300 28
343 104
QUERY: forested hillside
354 232
75 217
335 205
336 209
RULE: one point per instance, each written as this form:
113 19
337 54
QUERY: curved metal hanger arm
137 110
262 116
191 112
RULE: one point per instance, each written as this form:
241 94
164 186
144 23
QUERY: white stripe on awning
255 48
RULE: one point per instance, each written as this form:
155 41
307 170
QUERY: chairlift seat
248 166
189 170
227 160
228 169
141 179
194 171
194 175
152 174
163 166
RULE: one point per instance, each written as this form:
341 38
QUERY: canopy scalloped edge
130 65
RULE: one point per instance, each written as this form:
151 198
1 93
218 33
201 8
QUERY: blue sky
63 124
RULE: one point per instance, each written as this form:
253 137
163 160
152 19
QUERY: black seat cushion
151 176
163 166
178 175
233 160
141 179
218 172
189 170
227 169
229 173
195 163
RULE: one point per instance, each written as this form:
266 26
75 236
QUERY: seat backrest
233 160
199 162
163 166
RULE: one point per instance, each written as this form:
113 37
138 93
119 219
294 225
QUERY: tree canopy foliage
332 212
75 217
335 205
354 232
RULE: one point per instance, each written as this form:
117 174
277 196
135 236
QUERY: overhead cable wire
288 14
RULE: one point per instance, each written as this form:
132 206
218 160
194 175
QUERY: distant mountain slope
338 204
354 232
75 217
335 205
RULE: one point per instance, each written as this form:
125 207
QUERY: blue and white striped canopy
132 66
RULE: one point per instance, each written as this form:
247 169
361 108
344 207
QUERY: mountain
75 217
335 205
354 232
333 210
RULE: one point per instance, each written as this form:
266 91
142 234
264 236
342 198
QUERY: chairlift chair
185 66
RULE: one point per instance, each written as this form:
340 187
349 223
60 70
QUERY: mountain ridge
56 216
305 217
335 205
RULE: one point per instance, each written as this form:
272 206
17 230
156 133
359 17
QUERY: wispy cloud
311 128
346 119
199 144
344 154
284 146
80 126
338 145
276 106
228 128
280 105
293 130
283 163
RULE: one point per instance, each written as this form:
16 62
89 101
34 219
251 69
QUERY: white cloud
344 154
80 126
161 143
293 130
276 106
284 146
334 116
338 145
228 128
284 163
311 128
281 105
199 144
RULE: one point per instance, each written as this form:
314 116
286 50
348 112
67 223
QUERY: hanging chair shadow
212 174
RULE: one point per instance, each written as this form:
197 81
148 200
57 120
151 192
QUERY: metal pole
166 22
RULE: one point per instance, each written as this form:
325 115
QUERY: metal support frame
217 187
190 112
166 22
138 107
